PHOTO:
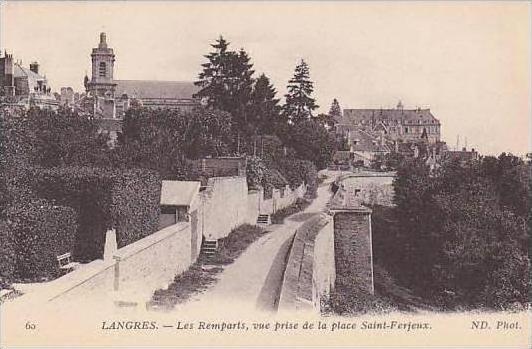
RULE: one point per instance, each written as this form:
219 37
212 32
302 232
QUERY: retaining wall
310 270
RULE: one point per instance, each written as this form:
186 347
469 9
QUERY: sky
470 62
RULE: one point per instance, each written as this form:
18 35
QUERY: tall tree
226 83
335 111
264 108
299 103
213 78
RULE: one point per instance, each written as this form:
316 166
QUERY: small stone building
178 199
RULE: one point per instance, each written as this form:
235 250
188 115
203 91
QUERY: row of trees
227 83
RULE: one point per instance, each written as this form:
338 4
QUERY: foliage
299 104
259 175
226 83
255 172
103 199
162 140
462 240
65 138
264 110
41 231
311 141
7 255
335 111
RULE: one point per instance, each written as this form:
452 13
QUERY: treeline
459 236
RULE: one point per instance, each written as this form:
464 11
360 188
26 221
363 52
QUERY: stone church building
112 98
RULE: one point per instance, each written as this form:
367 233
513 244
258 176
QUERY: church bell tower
101 86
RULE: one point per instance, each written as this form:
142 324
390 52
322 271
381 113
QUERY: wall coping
148 241
291 296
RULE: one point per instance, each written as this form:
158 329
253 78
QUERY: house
178 200
365 147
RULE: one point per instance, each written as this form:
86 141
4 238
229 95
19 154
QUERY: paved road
253 281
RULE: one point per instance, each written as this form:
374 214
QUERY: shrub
41 231
104 199
7 255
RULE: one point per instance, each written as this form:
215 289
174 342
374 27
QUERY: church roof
144 89
402 115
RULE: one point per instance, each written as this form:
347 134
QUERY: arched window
103 69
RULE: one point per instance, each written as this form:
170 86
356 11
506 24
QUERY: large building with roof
112 97
399 124
24 87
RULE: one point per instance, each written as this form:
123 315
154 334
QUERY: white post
110 245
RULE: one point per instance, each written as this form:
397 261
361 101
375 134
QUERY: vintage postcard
265 174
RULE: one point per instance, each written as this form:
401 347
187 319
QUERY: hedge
126 200
7 255
40 232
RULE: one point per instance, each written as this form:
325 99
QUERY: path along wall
310 271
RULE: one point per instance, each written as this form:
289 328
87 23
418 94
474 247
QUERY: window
406 129
103 69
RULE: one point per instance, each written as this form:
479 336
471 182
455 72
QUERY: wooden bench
65 262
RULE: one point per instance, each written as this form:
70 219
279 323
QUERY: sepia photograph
265 174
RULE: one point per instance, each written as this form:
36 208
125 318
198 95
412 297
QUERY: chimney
34 67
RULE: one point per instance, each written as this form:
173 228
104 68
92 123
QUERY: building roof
179 193
389 115
144 89
365 142
33 78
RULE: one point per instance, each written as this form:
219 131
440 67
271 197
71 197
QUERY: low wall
375 188
277 202
310 270
132 275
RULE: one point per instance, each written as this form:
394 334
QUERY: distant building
462 156
24 87
112 98
395 124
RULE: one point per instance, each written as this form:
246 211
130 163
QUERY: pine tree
213 78
264 107
335 111
299 103
227 83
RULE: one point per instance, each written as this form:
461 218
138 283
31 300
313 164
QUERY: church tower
101 86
